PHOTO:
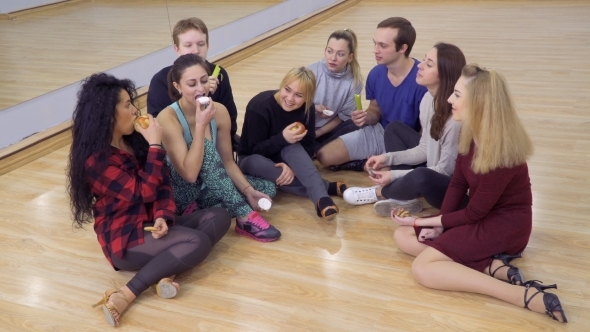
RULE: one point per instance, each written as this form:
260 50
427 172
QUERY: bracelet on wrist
158 145
244 190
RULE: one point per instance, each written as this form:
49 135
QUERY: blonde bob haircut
491 121
306 85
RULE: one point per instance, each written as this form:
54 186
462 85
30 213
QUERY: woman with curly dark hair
118 179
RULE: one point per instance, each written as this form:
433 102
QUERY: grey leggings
307 182
186 245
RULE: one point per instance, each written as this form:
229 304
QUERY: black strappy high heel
514 274
550 300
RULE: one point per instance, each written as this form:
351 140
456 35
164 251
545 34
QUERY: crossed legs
433 269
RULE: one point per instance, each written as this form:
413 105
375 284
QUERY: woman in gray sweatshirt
398 187
338 79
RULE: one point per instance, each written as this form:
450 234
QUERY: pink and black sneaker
257 228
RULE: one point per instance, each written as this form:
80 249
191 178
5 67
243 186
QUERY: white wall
51 109
9 6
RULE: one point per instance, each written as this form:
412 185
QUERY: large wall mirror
46 48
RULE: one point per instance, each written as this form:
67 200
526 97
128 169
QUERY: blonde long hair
492 122
306 83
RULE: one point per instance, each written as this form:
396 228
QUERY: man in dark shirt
192 36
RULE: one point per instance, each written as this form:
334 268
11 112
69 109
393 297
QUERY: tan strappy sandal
111 312
166 289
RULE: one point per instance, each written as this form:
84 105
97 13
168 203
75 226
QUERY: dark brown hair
406 33
450 61
180 65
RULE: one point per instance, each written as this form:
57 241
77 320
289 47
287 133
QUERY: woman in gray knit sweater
338 79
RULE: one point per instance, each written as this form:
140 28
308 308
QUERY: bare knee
333 153
322 156
404 237
421 272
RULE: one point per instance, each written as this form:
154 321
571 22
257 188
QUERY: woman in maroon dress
452 249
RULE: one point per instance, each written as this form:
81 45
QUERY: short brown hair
187 24
406 33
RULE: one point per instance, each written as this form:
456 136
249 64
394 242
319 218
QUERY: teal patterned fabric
214 187
218 189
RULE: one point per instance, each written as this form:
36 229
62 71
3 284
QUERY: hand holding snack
359 118
376 162
159 229
213 80
402 217
152 132
205 111
294 132
381 178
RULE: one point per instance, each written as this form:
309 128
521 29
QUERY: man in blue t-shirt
393 93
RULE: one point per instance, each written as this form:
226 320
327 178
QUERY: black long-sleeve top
264 122
158 98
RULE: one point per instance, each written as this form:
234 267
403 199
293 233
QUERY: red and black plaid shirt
127 196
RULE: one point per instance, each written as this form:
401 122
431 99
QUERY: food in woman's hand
328 112
150 228
402 213
298 128
143 121
204 101
371 172
264 204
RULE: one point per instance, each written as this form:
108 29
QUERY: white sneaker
360 196
383 208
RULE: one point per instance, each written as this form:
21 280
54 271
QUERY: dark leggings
399 136
186 245
420 182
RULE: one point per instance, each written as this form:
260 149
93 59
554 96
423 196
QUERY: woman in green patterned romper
197 140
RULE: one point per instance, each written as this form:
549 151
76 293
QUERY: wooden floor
36 50
347 274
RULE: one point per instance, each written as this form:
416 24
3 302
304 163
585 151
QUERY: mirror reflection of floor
48 49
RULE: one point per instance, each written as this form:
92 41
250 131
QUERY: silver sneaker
383 208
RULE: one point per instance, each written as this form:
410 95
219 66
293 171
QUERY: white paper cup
328 112
264 204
